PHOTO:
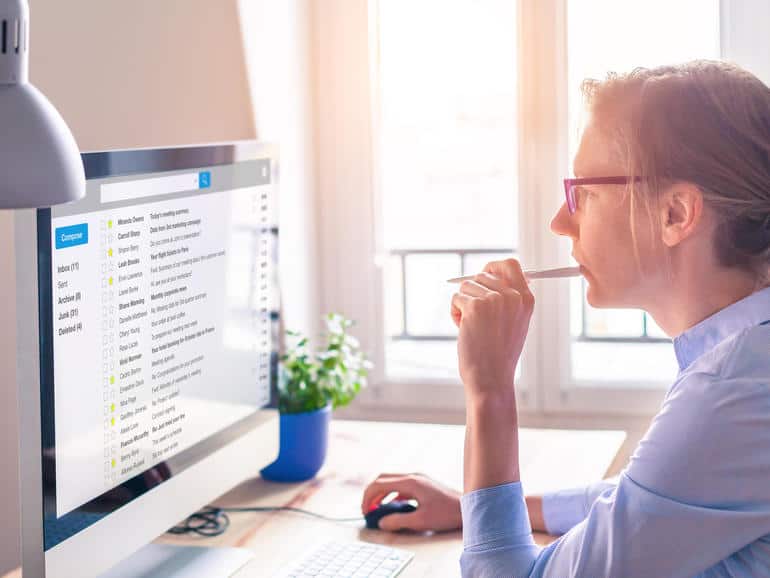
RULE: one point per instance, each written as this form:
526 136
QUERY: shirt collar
705 335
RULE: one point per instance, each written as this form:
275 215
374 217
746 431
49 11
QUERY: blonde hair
705 123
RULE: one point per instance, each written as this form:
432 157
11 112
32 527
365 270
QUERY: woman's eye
582 193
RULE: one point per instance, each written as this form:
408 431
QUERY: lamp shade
40 163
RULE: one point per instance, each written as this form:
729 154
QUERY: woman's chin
598 298
594 296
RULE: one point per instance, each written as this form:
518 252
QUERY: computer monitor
147 337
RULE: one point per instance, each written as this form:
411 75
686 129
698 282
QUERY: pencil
534 274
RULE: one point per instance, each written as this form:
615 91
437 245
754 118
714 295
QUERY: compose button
71 236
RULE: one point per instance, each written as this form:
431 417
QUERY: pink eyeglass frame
570 184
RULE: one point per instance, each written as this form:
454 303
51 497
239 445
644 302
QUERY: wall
142 73
279 43
146 73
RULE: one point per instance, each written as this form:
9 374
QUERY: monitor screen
158 301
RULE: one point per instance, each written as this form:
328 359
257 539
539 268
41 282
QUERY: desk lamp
40 162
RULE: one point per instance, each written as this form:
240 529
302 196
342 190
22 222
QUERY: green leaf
309 380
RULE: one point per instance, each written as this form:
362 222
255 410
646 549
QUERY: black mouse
374 516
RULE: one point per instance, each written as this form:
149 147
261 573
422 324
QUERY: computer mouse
374 515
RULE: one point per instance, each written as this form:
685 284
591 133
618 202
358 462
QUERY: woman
683 232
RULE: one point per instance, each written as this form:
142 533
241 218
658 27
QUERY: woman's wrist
535 510
483 405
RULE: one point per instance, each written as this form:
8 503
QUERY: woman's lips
582 268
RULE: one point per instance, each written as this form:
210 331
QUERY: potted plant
310 385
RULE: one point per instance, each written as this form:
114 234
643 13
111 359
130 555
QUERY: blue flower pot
304 439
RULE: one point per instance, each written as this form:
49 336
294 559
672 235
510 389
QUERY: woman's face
600 229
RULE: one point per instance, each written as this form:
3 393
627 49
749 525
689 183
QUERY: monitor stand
181 562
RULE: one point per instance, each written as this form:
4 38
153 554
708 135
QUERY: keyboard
350 560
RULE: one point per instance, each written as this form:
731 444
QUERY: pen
534 274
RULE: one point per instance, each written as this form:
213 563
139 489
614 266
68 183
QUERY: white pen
534 274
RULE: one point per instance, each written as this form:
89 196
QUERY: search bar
130 190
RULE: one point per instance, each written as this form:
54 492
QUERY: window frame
345 61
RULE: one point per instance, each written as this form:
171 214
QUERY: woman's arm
562 510
492 313
535 511
491 441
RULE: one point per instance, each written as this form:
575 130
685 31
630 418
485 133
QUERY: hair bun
751 236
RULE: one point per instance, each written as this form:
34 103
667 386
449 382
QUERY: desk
358 451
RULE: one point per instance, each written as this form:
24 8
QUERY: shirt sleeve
694 493
564 509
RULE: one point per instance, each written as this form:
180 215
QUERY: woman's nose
563 223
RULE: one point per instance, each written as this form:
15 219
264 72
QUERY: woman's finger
473 288
460 302
408 521
378 489
510 271
490 281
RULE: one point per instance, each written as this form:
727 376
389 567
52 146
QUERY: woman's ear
681 211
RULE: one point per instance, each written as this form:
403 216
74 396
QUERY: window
447 166
444 131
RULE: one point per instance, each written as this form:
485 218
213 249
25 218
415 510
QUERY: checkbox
104 368
104 339
104 267
104 325
104 282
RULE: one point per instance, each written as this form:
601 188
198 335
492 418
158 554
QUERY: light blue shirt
694 499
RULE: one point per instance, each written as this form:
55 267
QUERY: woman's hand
438 507
492 312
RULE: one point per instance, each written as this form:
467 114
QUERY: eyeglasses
571 184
